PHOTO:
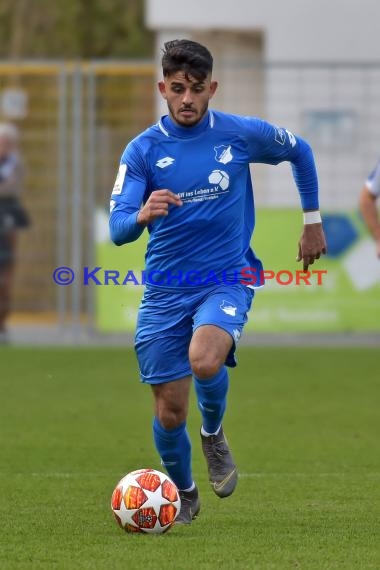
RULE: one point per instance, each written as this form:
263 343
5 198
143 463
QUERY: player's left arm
271 145
312 243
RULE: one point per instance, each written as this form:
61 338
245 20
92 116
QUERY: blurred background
78 79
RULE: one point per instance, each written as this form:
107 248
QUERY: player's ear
162 88
213 88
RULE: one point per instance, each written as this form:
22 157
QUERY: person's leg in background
7 253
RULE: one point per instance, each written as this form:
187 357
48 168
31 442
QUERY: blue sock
174 448
212 398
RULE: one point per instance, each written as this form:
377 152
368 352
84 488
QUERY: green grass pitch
304 426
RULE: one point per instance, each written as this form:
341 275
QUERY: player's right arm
157 205
368 207
133 205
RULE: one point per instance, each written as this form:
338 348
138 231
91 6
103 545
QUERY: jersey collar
169 128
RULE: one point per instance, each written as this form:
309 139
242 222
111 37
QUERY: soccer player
368 196
13 216
187 180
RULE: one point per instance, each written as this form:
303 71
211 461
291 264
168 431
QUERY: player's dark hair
190 57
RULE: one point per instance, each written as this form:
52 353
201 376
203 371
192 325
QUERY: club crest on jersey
228 308
223 153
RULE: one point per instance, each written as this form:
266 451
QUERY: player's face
187 99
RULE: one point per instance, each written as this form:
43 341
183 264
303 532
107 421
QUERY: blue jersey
207 165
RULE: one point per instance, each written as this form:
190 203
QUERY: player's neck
186 132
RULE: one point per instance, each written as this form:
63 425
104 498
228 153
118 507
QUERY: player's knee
170 417
204 367
171 420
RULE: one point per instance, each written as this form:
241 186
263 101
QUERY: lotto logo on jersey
280 136
164 162
237 335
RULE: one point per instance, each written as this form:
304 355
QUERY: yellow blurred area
75 119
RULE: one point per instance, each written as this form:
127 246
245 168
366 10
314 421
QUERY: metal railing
79 117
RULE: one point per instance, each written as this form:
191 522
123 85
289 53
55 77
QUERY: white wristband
312 217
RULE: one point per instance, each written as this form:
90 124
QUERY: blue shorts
167 320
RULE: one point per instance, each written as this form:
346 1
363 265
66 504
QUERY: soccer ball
146 501
219 177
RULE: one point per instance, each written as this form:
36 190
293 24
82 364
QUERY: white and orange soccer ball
145 501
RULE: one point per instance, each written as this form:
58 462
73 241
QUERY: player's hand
311 245
157 205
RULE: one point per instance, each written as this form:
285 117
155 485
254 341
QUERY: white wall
295 30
